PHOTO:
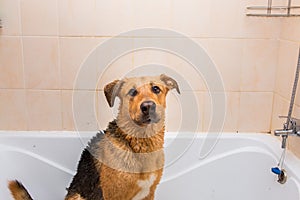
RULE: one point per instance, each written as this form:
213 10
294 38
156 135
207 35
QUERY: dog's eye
156 89
132 92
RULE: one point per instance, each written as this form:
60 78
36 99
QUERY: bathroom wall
43 44
289 44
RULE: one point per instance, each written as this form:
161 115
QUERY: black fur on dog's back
86 182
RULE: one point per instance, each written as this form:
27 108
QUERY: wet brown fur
119 162
119 184
18 191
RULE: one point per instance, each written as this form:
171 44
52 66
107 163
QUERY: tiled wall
43 44
289 45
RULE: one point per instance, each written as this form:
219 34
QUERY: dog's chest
145 186
130 186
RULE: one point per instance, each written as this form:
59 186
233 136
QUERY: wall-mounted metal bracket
270 10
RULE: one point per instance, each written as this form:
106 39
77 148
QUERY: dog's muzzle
148 110
148 107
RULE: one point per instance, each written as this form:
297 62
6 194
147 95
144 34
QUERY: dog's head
143 99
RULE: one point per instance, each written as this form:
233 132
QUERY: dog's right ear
112 90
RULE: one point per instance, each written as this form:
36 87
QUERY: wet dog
125 162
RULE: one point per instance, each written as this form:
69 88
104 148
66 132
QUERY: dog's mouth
147 119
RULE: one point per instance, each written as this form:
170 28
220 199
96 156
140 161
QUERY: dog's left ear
112 90
169 82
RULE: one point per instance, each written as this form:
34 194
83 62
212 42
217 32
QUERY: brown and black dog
126 161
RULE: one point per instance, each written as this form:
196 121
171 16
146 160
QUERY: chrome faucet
292 125
290 128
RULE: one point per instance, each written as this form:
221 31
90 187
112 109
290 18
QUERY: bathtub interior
238 167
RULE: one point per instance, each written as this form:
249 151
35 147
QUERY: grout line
241 68
272 112
239 114
60 82
59 65
57 17
101 89
133 36
275 79
289 41
23 66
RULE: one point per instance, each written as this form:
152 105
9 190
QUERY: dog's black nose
148 107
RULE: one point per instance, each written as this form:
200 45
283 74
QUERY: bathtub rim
269 141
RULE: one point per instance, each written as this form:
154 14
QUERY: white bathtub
237 168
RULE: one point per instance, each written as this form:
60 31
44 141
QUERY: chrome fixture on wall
270 10
292 125
290 128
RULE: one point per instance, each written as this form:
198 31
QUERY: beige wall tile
39 17
174 112
207 111
113 17
259 65
41 63
297 98
11 65
260 27
12 110
293 145
77 17
188 76
255 111
116 70
227 57
10 17
147 56
67 110
85 110
244 50
280 108
294 142
156 13
232 112
287 62
73 53
191 18
79 112
115 63
291 28
296 112
232 103
184 111
226 18
105 114
91 63
44 109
